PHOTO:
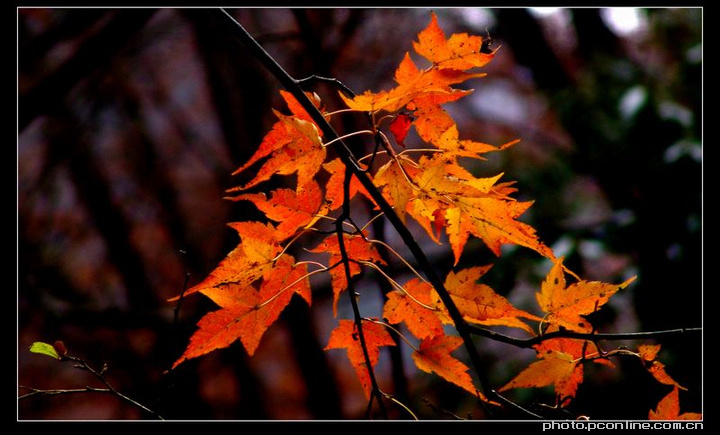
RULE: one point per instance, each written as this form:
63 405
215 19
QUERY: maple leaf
494 221
559 364
566 306
431 121
249 261
294 145
554 367
246 312
293 209
345 336
395 187
478 303
577 348
435 126
669 409
414 306
414 87
358 249
473 206
460 52
400 126
657 369
298 110
450 143
430 86
334 188
437 184
434 356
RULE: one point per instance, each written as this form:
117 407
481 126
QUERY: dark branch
314 78
595 337
351 290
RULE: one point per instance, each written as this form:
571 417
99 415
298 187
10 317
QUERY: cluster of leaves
428 184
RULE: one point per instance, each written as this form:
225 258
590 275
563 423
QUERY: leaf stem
396 285
307 275
392 328
341 138
380 242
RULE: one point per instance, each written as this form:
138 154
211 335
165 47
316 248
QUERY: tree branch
100 375
346 156
594 337
351 290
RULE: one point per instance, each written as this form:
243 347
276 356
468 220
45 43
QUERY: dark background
130 122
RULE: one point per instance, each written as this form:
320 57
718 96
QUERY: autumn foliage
430 185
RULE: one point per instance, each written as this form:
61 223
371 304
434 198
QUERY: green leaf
45 349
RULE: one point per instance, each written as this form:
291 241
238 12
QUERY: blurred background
130 122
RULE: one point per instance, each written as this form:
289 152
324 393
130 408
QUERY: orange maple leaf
248 312
396 189
334 188
554 367
460 52
294 145
345 336
559 364
669 409
649 353
293 209
478 303
435 126
434 356
298 110
566 306
414 87
414 306
249 261
431 121
577 348
358 250
472 206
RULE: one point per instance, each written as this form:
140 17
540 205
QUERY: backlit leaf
434 356
460 52
358 250
478 303
555 368
44 349
334 188
248 312
400 126
669 409
292 209
566 305
473 206
249 261
345 336
414 306
293 146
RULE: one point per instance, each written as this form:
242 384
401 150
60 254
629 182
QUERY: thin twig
315 78
594 337
186 279
100 375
